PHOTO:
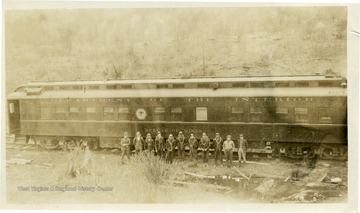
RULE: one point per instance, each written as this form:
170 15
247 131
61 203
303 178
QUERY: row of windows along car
236 114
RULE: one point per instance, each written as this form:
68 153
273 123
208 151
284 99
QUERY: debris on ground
265 187
199 175
306 195
242 174
18 161
335 180
322 178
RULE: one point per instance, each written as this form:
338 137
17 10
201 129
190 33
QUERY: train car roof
189 80
179 93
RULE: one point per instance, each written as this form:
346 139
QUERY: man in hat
181 145
169 146
159 145
218 146
205 146
193 144
149 144
125 147
243 144
138 143
228 147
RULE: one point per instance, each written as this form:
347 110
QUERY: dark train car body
289 116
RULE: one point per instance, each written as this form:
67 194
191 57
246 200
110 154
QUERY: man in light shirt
228 147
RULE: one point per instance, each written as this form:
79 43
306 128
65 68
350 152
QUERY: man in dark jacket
125 147
193 144
181 145
205 146
159 145
149 144
138 143
218 146
169 146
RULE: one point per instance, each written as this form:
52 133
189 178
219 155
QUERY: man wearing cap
125 147
205 146
243 144
169 146
149 144
218 146
193 147
138 143
228 147
181 145
159 145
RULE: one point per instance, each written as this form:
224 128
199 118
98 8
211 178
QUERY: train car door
14 117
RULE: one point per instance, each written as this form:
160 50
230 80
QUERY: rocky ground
37 175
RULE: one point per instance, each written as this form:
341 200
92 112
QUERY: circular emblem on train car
141 114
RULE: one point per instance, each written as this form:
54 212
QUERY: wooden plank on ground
240 173
199 175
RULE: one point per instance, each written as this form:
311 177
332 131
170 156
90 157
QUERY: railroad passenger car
284 115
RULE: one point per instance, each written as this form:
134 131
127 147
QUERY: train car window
64 87
74 113
257 85
281 114
302 84
301 114
90 113
237 110
49 88
110 86
237 114
123 113
282 84
281 110
60 113
203 85
326 84
124 86
178 85
238 84
256 114
201 114
325 115
108 113
11 108
176 113
159 113
160 86
45 113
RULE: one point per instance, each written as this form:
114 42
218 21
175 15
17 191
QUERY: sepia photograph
210 104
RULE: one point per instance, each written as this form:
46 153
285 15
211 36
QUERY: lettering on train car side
166 130
276 99
199 99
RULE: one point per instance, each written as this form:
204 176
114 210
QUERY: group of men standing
165 149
